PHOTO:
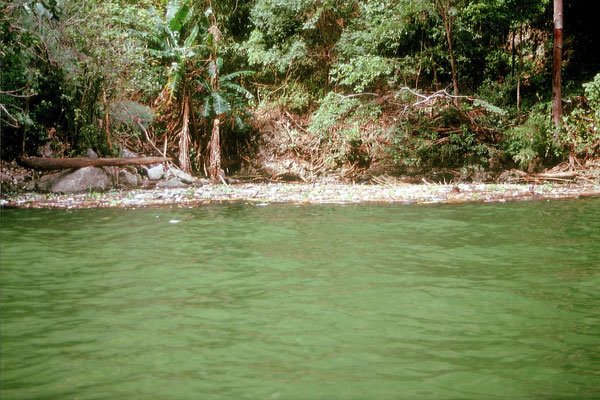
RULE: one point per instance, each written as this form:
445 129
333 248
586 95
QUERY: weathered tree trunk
444 9
65 163
184 139
519 68
106 119
215 172
556 62
513 53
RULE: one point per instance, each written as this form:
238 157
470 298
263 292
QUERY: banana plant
222 99
178 43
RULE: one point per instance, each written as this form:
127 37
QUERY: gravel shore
302 194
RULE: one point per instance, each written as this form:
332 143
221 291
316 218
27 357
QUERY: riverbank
293 193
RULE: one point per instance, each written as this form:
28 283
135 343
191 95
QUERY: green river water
476 301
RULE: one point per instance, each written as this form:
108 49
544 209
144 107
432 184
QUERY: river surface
476 301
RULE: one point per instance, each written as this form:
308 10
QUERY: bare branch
11 93
11 117
427 98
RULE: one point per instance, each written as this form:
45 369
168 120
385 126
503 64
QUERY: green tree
63 65
222 98
178 44
293 43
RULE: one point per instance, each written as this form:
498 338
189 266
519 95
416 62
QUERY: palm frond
160 53
203 83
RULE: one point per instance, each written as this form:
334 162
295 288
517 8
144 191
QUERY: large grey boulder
182 176
45 183
155 173
128 179
82 180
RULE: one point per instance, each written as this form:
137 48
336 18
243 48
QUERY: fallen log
66 163
556 175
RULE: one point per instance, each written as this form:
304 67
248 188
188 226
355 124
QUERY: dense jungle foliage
397 84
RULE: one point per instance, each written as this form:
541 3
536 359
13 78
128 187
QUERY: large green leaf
220 104
172 8
236 88
191 38
176 74
179 18
239 122
206 109
234 75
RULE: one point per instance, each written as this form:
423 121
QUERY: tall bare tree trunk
519 67
556 62
106 119
184 139
215 172
513 53
444 9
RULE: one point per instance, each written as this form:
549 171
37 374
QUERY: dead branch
148 138
16 125
436 95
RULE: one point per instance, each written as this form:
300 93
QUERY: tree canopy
156 74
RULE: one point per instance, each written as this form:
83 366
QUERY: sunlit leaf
189 41
179 18
172 8
234 75
239 122
220 104
237 88
206 109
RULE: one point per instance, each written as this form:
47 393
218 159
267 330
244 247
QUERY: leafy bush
333 111
361 72
592 91
451 138
533 142
582 125
296 98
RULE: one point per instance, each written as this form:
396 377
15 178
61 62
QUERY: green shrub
333 111
455 138
296 98
533 141
592 91
582 125
361 72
